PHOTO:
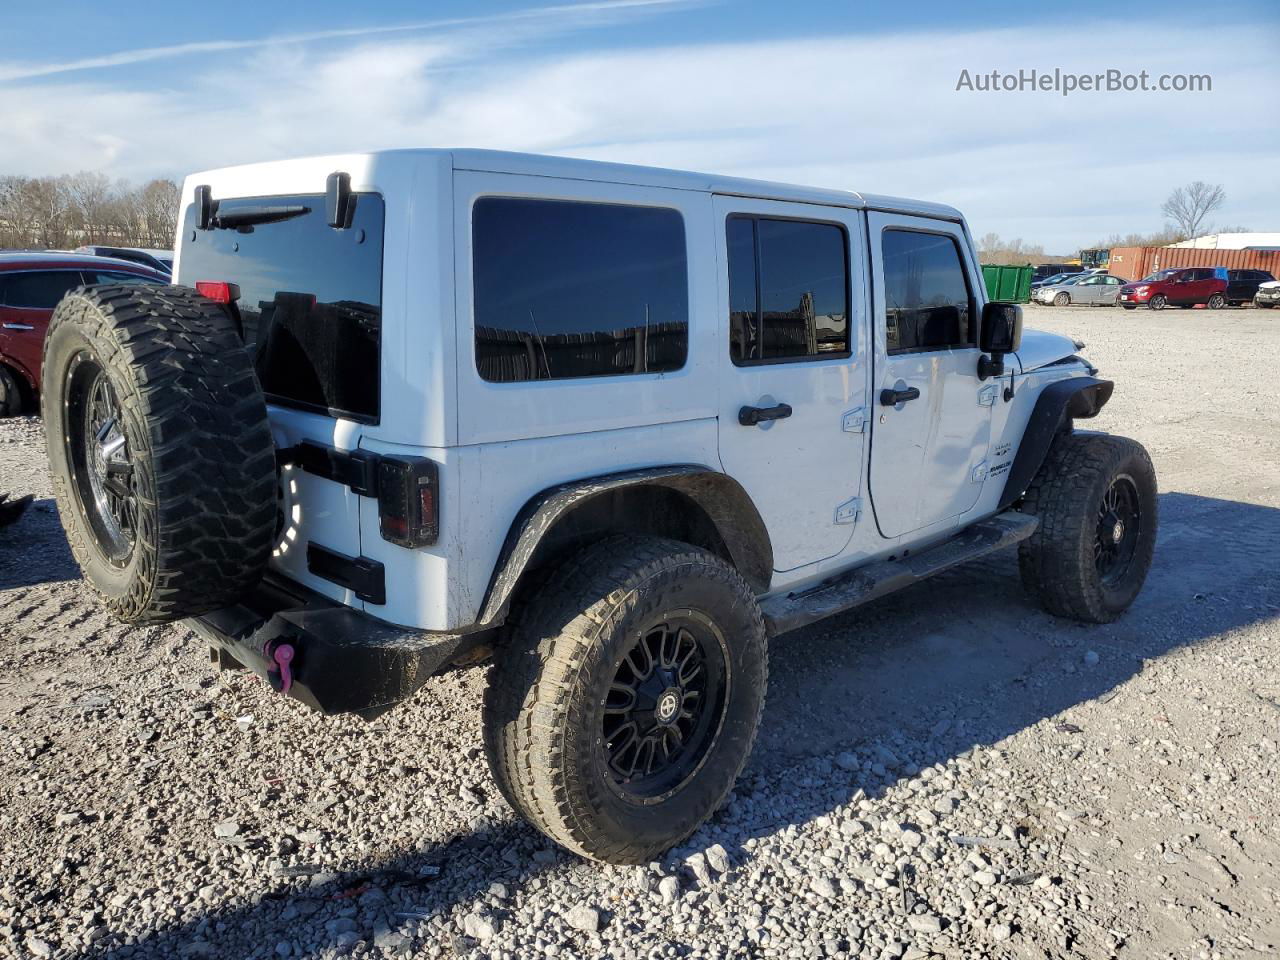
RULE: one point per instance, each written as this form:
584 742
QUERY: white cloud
874 113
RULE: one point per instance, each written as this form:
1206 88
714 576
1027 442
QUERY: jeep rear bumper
326 655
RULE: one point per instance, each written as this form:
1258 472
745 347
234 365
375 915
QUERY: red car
31 284
1178 288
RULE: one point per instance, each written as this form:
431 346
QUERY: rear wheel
159 448
1157 302
1062 300
1095 497
625 700
1216 302
10 393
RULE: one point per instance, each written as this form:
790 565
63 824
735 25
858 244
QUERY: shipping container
1134 263
1007 282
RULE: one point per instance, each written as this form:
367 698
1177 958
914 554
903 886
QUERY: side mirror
1000 333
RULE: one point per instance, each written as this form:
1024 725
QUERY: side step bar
848 590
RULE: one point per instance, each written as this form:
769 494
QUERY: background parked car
1242 285
31 284
1179 288
161 260
1268 294
1092 289
1055 278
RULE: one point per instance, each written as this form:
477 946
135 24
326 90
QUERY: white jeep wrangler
608 427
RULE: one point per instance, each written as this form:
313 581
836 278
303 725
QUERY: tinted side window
113 276
566 289
40 289
788 289
927 300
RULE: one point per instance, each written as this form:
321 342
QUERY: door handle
891 398
17 326
751 416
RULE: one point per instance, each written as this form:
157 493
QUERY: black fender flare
1058 404
726 503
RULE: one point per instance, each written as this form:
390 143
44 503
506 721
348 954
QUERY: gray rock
1091 658
697 864
984 878
848 761
1000 932
669 888
925 923
718 858
39 948
823 888
480 926
226 829
584 918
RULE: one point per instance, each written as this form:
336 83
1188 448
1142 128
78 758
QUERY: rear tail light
218 291
408 501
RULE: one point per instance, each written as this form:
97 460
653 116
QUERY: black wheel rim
665 707
1119 527
102 470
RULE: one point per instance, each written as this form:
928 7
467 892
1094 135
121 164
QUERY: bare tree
1188 206
86 208
992 249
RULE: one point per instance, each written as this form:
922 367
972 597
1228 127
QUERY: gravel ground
948 772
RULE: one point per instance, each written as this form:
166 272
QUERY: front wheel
1095 496
1062 300
625 699
1217 302
1157 302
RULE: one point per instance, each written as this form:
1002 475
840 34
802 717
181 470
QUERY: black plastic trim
345 661
1058 404
357 469
725 502
364 577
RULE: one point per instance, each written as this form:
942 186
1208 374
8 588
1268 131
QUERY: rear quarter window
568 289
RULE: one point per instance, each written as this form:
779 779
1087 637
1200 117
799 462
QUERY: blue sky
854 95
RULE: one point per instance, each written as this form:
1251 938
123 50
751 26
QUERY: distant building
1233 241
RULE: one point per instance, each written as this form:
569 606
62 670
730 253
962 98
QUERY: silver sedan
1098 289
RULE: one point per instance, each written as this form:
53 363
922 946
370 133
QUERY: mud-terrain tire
160 450
1095 496
571 677
10 393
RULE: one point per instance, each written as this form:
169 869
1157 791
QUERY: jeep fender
721 498
1058 404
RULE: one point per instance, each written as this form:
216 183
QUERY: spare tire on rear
161 453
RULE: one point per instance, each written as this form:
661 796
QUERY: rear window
310 298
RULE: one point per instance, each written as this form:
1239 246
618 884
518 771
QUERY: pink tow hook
280 653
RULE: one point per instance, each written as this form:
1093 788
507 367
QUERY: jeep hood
1039 349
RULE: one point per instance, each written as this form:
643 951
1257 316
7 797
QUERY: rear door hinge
849 511
855 421
987 396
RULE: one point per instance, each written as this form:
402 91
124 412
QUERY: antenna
546 366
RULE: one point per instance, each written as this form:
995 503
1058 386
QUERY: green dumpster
1011 284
